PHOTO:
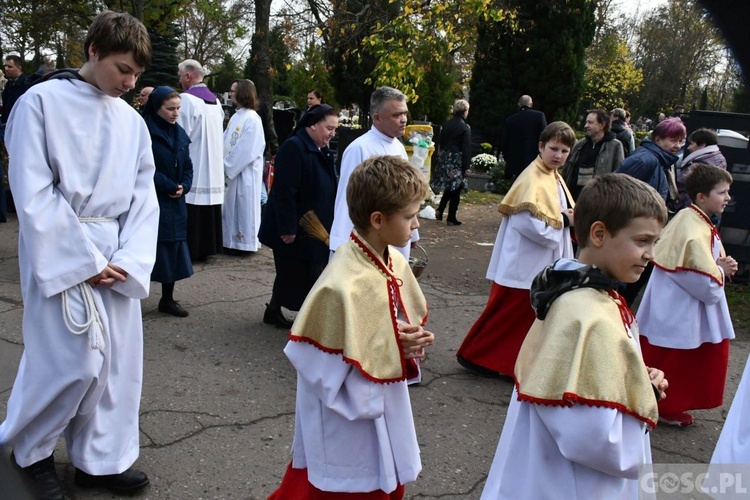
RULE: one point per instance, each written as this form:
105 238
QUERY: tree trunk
261 54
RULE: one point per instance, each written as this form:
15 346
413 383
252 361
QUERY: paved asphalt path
217 414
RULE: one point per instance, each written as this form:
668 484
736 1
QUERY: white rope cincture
93 324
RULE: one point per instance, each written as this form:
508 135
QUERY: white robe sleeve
339 385
342 224
139 228
59 252
602 439
535 230
698 286
248 150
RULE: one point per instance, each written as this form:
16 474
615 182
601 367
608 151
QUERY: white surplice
733 446
525 245
82 176
243 165
204 124
372 143
567 453
352 434
702 304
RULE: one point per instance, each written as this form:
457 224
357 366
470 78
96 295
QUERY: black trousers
452 199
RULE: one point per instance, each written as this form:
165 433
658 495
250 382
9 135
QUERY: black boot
172 307
43 479
129 481
274 316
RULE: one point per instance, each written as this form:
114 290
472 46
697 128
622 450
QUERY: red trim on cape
569 399
353 362
714 234
409 367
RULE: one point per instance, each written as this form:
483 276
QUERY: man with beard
596 154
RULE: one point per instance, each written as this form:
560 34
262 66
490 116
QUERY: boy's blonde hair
615 200
384 184
703 178
118 33
560 131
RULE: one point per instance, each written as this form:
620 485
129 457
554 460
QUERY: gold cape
686 244
582 353
535 191
351 310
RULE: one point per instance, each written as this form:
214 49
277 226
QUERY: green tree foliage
539 52
225 74
678 51
311 73
611 76
163 67
437 90
351 65
210 28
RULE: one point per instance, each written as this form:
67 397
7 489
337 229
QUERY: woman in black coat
304 179
453 163
173 178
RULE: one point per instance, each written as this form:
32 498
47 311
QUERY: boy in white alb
534 232
584 400
354 345
389 111
82 175
684 316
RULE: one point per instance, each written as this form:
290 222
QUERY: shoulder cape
351 310
589 359
535 191
686 244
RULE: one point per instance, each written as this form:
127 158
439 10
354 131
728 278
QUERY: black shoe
474 368
276 317
43 479
453 222
439 214
173 308
126 482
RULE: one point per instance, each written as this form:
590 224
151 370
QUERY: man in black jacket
520 139
622 131
14 88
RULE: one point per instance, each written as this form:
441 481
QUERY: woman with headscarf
173 179
304 180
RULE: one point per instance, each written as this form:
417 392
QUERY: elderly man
202 117
520 139
142 96
388 111
598 153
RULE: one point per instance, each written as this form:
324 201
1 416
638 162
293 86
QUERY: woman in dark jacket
454 160
304 179
173 178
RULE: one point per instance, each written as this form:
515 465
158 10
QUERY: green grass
473 197
738 297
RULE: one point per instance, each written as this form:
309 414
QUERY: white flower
483 162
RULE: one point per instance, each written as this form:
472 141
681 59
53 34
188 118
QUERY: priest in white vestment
388 110
244 143
202 117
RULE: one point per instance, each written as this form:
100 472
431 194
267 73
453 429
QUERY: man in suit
520 140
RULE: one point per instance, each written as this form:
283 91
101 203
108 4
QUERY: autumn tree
612 79
210 28
540 51
678 50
